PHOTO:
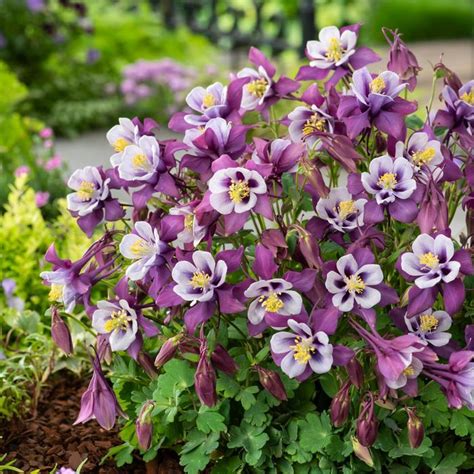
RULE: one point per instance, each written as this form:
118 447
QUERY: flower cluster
246 224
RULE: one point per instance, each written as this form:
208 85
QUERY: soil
49 439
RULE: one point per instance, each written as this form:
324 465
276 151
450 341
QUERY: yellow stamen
345 209
208 101
377 85
120 144
200 280
335 51
354 284
429 260
314 124
140 248
468 97
118 320
273 303
238 191
56 292
189 221
140 161
85 191
387 181
257 87
428 322
409 371
303 349
423 157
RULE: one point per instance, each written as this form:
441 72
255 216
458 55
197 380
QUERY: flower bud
221 360
60 332
310 249
205 377
355 372
144 426
362 452
340 405
167 351
271 382
367 424
146 363
416 431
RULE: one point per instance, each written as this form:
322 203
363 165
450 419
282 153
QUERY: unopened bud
167 351
221 360
367 424
355 372
60 332
340 405
144 425
362 452
205 377
271 382
416 431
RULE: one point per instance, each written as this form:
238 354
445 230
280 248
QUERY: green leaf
251 438
247 397
460 423
227 464
228 386
414 122
424 450
195 454
210 420
122 454
315 432
450 463
255 415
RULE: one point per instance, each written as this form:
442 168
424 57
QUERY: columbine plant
243 265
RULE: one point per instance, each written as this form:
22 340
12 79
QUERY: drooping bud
104 353
340 405
416 431
367 424
362 452
271 382
144 425
355 372
167 351
205 376
60 332
221 360
146 363
309 248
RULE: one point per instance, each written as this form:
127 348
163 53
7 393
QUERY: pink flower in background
41 198
48 144
21 170
46 133
53 163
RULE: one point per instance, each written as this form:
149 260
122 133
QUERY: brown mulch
50 439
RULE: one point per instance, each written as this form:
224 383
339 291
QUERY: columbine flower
196 281
411 372
459 111
118 320
333 48
341 210
431 261
353 284
272 296
282 154
142 161
424 155
307 122
299 353
192 232
392 183
99 401
431 327
209 101
120 136
145 247
235 190
257 89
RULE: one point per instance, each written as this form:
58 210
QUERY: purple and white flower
431 261
411 372
307 122
235 190
210 102
120 136
352 284
300 353
197 281
424 155
273 296
341 210
118 320
333 48
145 247
90 190
431 326
192 232
142 161
258 89
282 154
